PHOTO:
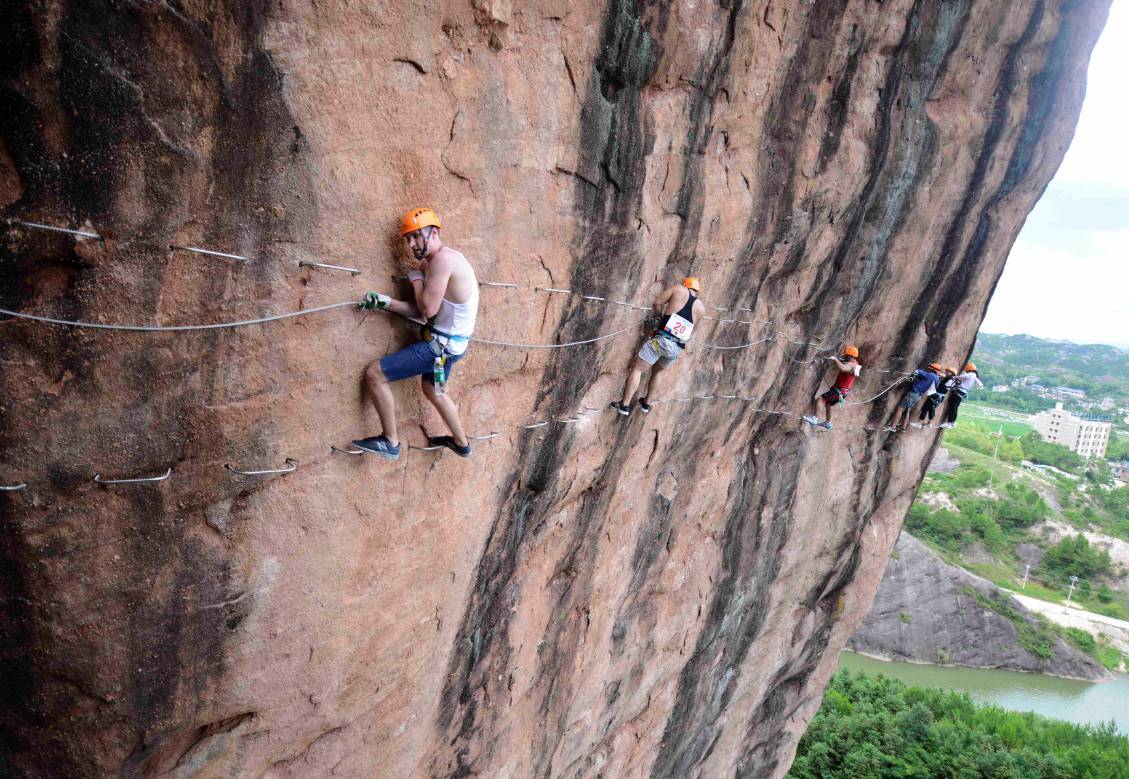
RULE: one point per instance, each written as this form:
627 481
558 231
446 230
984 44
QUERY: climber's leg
380 392
446 408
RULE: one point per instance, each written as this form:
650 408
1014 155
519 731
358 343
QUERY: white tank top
458 318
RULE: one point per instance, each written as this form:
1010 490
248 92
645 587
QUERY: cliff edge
657 596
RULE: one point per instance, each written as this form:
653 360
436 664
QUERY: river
1050 696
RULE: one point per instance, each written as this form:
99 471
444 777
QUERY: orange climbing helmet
971 367
417 219
851 351
935 367
691 282
953 371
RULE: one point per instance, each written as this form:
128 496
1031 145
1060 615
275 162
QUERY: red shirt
846 378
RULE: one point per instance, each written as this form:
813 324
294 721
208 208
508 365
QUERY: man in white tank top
445 292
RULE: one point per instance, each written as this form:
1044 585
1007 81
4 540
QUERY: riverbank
929 611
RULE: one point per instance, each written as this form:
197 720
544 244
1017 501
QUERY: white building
1069 393
1088 436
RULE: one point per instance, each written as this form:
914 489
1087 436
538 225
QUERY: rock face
925 611
656 596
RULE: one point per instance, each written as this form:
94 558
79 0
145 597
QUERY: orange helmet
851 351
935 366
951 370
971 367
417 219
691 282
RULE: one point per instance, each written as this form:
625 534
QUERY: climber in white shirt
969 380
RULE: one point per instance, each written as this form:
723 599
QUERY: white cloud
1075 295
1067 276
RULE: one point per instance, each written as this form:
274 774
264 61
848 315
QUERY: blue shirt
923 381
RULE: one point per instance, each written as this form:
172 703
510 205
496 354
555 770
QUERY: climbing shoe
449 442
916 425
811 420
826 425
619 408
946 425
380 446
644 406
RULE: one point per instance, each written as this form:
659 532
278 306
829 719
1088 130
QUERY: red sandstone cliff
660 596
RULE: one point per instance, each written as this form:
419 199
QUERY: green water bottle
439 374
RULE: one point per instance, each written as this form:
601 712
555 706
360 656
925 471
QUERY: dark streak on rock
615 139
111 86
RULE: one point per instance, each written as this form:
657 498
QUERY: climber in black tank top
678 330
680 308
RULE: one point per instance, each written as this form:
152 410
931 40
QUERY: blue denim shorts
416 359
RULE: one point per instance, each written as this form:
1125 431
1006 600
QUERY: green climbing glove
374 300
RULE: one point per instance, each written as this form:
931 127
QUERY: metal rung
554 289
482 437
99 480
536 424
497 284
327 266
54 229
290 467
13 487
354 450
209 252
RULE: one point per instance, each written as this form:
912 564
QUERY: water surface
1064 699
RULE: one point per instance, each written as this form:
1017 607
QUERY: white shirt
969 381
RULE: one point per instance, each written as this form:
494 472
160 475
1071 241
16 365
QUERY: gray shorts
658 348
910 400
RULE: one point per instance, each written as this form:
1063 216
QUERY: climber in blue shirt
924 383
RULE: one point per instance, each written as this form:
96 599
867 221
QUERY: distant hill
1098 369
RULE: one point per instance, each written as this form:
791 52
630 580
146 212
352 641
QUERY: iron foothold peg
209 252
483 437
138 480
534 425
354 450
497 284
13 487
307 264
52 228
290 467
554 289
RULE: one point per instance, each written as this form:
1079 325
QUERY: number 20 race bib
678 327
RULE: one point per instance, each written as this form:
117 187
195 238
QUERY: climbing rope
172 328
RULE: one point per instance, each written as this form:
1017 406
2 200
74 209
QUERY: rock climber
680 308
849 370
924 383
929 407
445 293
969 380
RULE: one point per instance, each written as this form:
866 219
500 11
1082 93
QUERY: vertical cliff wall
660 596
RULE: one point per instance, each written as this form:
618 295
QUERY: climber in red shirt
849 370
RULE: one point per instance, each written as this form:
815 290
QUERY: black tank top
686 312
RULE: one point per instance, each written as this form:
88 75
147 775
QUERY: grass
1014 424
1109 656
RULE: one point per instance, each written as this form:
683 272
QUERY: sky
1067 277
